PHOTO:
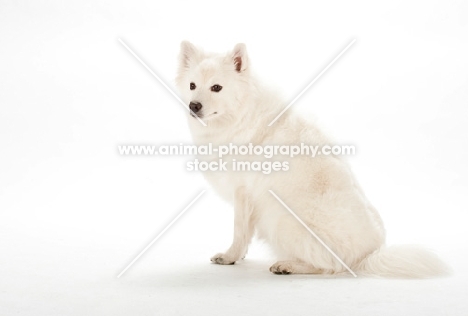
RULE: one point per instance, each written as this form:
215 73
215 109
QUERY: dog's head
213 86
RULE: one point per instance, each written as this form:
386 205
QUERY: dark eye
192 86
216 88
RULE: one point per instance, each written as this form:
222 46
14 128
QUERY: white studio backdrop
72 209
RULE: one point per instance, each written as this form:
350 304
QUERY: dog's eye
192 86
216 88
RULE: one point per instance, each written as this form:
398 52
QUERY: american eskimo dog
221 91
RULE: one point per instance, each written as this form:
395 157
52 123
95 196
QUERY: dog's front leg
243 229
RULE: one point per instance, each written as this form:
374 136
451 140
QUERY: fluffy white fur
322 191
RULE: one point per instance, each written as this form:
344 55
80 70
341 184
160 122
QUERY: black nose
195 106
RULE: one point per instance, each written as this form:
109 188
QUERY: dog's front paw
222 258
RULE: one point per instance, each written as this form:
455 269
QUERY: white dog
322 191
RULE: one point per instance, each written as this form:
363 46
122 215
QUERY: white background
73 213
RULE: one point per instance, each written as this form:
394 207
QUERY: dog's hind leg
243 229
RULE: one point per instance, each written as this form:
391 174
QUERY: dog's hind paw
294 267
222 258
281 267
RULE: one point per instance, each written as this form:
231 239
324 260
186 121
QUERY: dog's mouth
200 115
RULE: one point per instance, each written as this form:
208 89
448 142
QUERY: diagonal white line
160 234
159 79
313 234
312 82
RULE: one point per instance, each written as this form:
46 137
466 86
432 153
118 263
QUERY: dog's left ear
239 57
188 54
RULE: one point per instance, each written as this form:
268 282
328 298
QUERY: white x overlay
203 191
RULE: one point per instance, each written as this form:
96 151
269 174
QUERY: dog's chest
223 179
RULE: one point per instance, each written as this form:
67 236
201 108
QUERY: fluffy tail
402 262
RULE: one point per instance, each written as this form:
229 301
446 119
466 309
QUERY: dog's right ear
188 53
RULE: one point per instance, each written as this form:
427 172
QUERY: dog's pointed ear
239 57
188 53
